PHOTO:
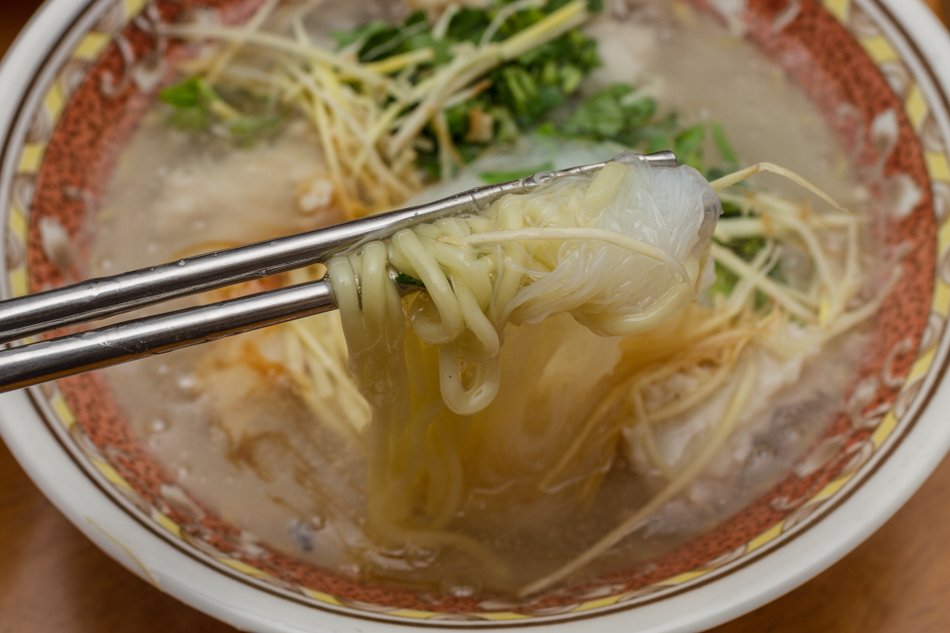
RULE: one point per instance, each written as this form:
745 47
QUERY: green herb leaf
616 113
602 116
359 34
191 119
731 209
518 95
726 151
688 146
247 130
468 25
408 280
193 92
725 282
198 107
394 40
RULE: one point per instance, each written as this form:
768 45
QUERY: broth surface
236 435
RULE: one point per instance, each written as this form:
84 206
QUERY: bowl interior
101 79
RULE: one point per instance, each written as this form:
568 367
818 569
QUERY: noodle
564 249
621 253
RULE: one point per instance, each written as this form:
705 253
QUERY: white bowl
906 449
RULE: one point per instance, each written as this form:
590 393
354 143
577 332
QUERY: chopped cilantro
412 35
725 282
468 25
359 34
746 248
517 96
726 152
246 130
408 280
198 107
688 145
193 92
615 113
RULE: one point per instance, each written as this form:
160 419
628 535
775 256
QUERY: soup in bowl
620 395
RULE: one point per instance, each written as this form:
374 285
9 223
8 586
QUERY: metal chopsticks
98 298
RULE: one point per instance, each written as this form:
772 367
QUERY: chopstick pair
44 312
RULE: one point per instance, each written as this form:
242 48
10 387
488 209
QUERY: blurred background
15 13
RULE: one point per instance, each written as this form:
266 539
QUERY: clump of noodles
617 428
616 254
620 252
621 255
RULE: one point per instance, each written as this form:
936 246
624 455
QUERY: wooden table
53 579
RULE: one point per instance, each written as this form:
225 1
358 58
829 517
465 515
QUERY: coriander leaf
570 78
495 177
359 34
197 107
397 39
382 43
506 127
616 113
546 130
191 100
442 50
601 116
457 118
725 281
191 119
731 209
518 95
726 151
192 92
408 280
688 145
468 25
247 130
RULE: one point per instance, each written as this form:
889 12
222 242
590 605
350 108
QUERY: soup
596 448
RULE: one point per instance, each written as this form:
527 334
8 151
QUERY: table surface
53 579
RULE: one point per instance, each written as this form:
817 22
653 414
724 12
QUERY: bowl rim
155 560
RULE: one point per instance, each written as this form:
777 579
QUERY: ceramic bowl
75 85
